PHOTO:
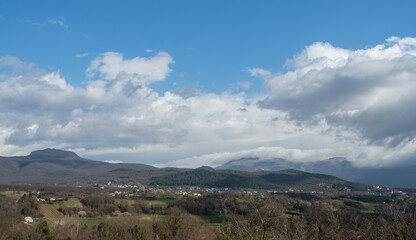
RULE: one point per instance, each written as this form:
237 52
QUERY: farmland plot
50 213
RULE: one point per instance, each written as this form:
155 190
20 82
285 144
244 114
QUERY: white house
28 219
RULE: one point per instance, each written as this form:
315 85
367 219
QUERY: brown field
50 213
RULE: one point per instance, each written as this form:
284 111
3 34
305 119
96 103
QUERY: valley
80 198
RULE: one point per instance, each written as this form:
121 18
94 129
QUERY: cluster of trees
217 179
244 217
176 225
97 204
222 204
271 180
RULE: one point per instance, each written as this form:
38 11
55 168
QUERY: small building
28 219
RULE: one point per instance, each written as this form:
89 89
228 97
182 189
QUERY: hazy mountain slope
297 178
400 176
265 180
254 165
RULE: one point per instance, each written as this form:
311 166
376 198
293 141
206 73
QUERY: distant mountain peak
53 153
291 171
206 168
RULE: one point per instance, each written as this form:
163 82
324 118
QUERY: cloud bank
330 102
367 91
118 111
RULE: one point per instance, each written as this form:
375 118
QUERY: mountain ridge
59 166
54 165
284 179
399 176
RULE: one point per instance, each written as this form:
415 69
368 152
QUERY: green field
157 203
370 207
150 217
166 200
337 203
14 194
71 202
160 202
214 218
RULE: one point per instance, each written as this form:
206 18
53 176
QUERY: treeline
217 179
177 224
243 216
292 177
273 180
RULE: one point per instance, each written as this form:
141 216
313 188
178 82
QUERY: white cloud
258 72
113 161
263 153
139 70
54 78
81 55
331 102
15 63
57 22
120 112
369 92
244 85
49 22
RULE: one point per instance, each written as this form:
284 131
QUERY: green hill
259 180
295 178
206 178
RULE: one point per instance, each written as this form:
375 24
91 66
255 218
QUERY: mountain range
284 179
398 176
53 166
59 166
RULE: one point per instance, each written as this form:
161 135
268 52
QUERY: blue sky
212 41
201 82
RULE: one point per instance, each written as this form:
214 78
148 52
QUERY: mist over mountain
59 166
397 176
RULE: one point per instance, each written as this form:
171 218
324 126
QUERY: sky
191 83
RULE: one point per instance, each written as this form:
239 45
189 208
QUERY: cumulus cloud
55 79
118 111
111 66
100 115
368 92
331 102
